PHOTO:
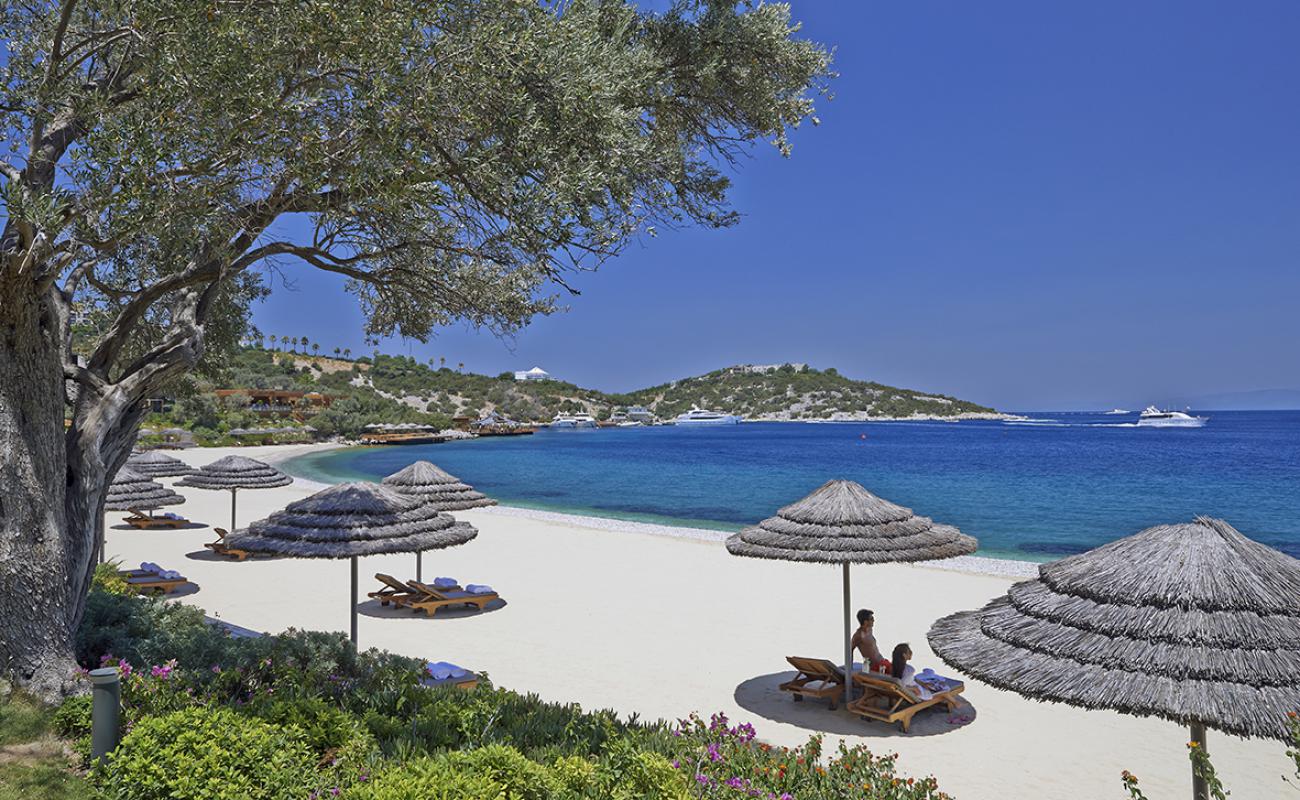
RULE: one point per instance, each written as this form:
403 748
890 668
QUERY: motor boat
1153 417
698 416
572 421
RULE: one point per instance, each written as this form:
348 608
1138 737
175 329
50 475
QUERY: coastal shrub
206 753
428 779
72 718
332 734
625 772
726 761
106 579
520 778
136 629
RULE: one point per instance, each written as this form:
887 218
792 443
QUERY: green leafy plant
202 753
428 779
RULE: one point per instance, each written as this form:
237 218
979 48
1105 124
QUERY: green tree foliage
453 160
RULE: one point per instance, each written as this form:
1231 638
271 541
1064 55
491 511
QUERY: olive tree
452 160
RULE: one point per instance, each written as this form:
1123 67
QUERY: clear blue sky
1030 205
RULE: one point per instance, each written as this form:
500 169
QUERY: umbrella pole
848 641
352 602
232 509
419 567
1200 791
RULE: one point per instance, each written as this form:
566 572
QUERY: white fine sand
611 615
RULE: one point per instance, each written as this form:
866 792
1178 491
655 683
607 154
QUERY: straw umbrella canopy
157 464
439 488
350 520
235 473
1193 623
132 491
843 523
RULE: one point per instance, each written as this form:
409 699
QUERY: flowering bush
726 761
360 725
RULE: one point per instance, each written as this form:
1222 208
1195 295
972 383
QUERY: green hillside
401 389
795 391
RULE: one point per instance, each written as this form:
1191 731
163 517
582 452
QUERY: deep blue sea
1061 484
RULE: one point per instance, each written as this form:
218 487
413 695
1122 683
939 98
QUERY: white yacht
1114 412
573 421
1153 417
698 416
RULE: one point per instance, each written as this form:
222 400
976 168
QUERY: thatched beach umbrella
1193 623
843 523
132 491
437 487
235 473
350 520
157 464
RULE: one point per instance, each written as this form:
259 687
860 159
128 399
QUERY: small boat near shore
573 421
1153 417
1115 412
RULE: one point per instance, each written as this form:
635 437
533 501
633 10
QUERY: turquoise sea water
1059 484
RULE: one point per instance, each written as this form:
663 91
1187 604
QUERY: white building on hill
534 374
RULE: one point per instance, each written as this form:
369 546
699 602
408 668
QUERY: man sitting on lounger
864 641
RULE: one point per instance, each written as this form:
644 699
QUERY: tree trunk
35 590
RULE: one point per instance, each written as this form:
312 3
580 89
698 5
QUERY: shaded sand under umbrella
132 491
157 464
1193 623
843 523
437 487
235 473
350 520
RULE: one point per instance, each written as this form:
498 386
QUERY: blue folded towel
445 583
170 574
442 670
478 588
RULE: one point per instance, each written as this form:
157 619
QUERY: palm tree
303 340
336 352
442 362
315 350
347 352
460 367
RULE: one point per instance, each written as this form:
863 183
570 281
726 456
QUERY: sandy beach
660 622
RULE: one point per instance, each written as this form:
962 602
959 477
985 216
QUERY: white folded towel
170 574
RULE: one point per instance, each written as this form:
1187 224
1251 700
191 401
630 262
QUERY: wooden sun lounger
394 591
146 522
135 573
466 682
222 549
434 599
818 678
900 704
156 584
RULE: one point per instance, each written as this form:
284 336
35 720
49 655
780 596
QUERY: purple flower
714 755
